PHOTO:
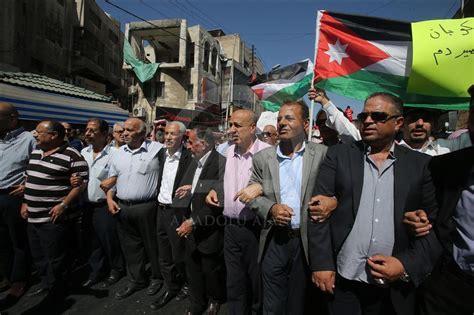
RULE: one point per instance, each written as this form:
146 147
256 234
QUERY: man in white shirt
174 163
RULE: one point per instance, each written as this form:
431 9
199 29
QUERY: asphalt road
97 301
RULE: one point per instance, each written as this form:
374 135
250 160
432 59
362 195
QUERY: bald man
16 146
135 166
242 230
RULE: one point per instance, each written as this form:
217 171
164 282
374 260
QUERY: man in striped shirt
50 201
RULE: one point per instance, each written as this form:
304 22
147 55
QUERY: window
95 19
190 91
205 62
214 61
160 89
190 50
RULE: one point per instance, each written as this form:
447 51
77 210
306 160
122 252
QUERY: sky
283 31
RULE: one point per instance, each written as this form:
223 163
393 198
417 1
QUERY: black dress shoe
213 308
183 293
127 292
162 300
89 283
154 287
112 279
38 291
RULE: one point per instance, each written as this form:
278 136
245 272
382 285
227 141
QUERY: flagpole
311 109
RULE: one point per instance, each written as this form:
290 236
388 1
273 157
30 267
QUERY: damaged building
188 73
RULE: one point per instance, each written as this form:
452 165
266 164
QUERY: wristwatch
405 277
65 206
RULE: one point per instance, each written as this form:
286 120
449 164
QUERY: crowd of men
367 216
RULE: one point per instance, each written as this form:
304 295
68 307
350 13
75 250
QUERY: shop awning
34 104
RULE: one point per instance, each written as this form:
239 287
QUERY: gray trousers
137 233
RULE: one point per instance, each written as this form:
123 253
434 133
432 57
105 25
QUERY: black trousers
14 251
101 228
243 272
284 274
447 291
206 275
172 247
354 297
137 232
48 243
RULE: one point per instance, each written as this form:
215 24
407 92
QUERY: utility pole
253 72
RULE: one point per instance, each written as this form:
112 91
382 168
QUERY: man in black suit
364 254
174 163
204 235
450 288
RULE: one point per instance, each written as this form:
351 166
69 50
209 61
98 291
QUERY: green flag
144 71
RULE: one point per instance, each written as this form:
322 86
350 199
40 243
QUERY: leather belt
163 206
134 202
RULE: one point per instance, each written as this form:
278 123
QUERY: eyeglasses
378 117
267 134
118 131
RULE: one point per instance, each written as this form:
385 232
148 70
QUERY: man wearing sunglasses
270 135
416 131
364 254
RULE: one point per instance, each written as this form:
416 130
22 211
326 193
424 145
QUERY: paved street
100 301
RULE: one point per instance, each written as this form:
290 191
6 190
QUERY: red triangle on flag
258 92
342 52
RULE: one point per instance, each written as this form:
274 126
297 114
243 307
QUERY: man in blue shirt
287 174
16 145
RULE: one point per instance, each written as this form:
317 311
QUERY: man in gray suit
287 174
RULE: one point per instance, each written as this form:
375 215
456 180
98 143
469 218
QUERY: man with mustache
363 254
416 131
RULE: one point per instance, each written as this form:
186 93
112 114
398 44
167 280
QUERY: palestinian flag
288 83
358 55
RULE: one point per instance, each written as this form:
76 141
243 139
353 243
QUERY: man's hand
56 212
318 95
24 211
385 267
185 228
321 207
325 280
108 183
211 199
17 191
113 206
418 222
76 180
183 191
249 193
281 214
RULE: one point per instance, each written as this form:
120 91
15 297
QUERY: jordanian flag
288 83
358 55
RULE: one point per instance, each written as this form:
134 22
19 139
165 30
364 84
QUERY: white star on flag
337 52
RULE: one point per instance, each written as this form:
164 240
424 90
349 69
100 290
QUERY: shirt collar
391 153
176 155
203 159
13 134
426 146
143 147
299 152
253 149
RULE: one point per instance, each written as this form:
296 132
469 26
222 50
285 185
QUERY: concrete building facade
69 40
193 79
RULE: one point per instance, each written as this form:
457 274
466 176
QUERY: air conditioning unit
139 112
